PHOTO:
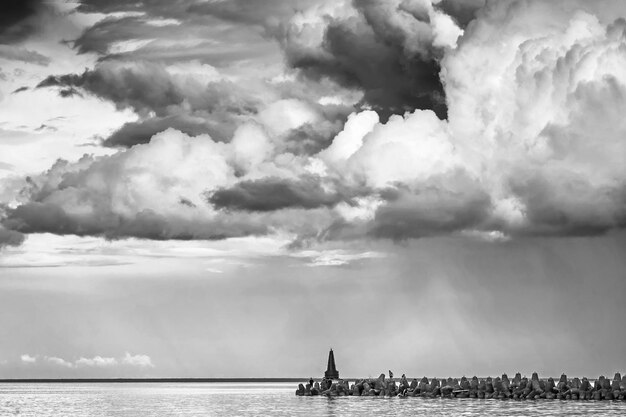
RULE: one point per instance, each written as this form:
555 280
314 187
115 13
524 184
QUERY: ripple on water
185 399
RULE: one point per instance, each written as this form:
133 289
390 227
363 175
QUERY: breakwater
516 388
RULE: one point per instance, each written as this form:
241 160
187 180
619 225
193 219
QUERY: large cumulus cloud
131 194
533 142
542 125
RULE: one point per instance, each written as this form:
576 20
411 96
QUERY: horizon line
165 379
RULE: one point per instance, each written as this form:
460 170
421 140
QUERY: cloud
160 71
134 133
310 138
26 358
102 35
266 13
541 126
151 87
442 206
269 194
533 141
162 8
388 50
20 89
115 196
10 237
335 257
18 19
96 361
195 100
301 127
486 236
463 11
15 53
142 361
59 362
166 32
192 98
128 360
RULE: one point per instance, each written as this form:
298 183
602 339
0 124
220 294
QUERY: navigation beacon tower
331 371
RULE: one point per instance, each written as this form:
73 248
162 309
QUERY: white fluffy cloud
96 361
59 362
143 361
350 139
405 150
535 96
128 360
26 358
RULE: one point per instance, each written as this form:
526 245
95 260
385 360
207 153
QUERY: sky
227 188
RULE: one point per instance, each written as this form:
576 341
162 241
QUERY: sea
257 399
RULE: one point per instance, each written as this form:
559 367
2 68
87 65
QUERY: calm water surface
256 399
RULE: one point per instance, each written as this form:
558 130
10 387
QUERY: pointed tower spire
331 371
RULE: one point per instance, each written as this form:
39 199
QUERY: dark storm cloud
143 86
18 19
392 83
432 210
148 87
269 194
463 11
369 53
569 205
10 238
134 133
37 217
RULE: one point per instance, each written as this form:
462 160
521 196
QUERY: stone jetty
503 388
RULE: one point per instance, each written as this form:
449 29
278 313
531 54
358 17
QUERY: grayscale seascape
312 207
257 399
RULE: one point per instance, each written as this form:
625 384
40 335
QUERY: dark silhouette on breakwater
518 388
503 388
331 370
